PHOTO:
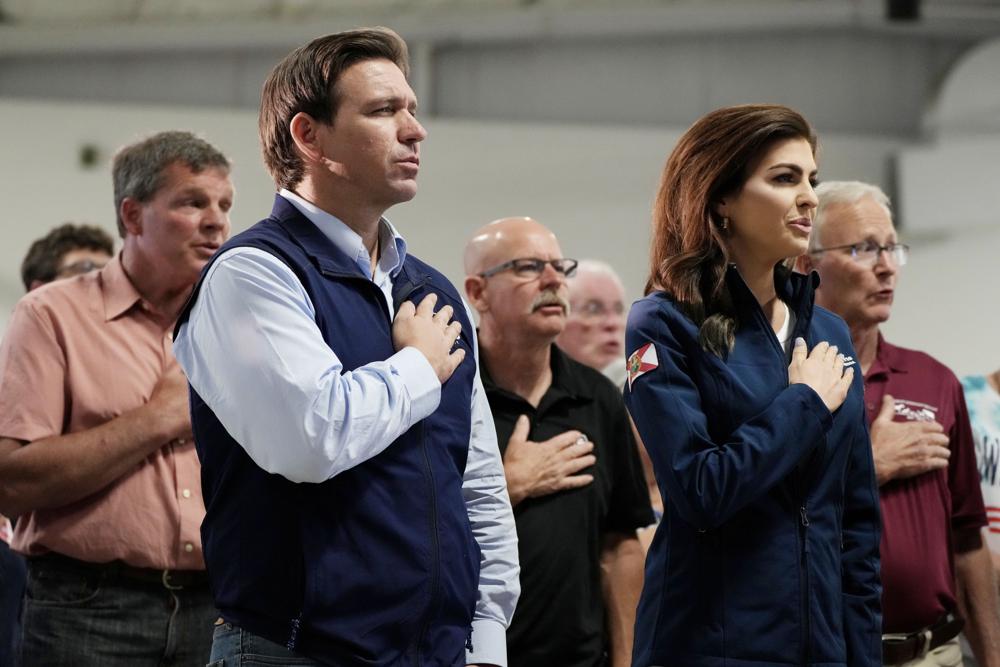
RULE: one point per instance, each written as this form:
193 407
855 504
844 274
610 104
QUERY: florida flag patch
641 361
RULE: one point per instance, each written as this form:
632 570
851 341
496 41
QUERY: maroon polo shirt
922 515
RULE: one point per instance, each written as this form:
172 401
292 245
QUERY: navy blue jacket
377 565
768 552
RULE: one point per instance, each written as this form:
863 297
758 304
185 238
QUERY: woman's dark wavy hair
711 161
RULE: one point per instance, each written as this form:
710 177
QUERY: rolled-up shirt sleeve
484 488
252 351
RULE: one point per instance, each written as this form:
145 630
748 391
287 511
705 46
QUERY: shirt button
188 547
186 493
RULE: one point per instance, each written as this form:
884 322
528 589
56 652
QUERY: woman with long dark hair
746 398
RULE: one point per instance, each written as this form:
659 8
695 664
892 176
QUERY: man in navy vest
357 512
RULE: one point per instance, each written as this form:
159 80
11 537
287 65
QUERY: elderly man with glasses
936 569
595 328
571 465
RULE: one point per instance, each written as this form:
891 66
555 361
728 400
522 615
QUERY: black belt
896 650
170 579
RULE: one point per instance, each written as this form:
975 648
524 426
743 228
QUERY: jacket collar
888 358
567 381
331 258
795 289
328 242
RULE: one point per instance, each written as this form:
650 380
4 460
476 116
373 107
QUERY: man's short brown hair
305 81
42 263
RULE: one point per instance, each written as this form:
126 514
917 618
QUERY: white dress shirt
252 350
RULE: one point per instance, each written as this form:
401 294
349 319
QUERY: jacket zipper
428 470
806 623
436 549
803 528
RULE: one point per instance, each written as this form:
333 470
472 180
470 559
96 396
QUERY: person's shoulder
974 383
61 294
658 315
827 321
415 265
659 306
917 361
264 232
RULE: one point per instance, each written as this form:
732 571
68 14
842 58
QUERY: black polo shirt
560 616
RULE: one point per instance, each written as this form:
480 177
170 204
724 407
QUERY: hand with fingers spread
540 468
906 449
432 333
821 369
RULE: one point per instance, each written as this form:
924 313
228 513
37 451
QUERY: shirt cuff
420 380
489 643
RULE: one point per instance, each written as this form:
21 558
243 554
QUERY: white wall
592 185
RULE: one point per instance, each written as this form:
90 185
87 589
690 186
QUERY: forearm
56 471
978 604
621 583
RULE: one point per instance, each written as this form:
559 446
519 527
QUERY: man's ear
130 213
474 288
304 132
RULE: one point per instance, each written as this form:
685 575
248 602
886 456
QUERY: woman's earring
725 224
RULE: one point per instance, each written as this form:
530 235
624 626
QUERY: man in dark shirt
571 465
935 564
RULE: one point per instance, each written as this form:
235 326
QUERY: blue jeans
235 647
74 617
13 573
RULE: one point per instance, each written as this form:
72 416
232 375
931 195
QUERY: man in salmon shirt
96 457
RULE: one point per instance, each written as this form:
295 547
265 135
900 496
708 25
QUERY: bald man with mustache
571 465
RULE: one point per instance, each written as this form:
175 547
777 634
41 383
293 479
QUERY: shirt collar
393 247
887 359
566 381
117 289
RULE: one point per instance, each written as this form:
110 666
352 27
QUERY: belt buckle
167 584
925 642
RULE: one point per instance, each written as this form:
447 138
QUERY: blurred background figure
595 336
66 251
982 396
595 327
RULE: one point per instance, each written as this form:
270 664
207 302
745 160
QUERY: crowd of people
295 446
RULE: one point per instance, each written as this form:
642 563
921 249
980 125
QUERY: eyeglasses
867 252
77 268
532 267
592 310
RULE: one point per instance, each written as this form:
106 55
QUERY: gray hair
596 266
137 169
843 192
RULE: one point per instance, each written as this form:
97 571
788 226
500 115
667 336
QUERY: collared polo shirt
923 516
559 618
78 353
